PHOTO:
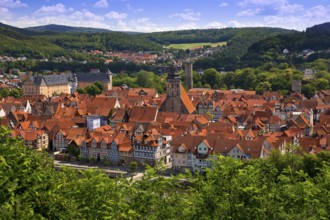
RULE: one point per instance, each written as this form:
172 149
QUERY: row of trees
17 93
145 79
94 89
267 77
280 187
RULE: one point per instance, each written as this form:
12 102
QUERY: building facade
56 84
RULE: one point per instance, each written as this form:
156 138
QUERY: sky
164 15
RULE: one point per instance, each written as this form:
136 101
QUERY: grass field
195 45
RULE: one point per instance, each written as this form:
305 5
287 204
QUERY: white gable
2 113
202 148
181 149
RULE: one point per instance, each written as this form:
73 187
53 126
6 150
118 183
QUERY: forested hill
316 38
7 28
213 35
321 28
253 49
21 42
64 28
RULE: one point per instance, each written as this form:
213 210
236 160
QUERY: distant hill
30 43
211 35
238 41
245 46
20 42
64 28
17 30
320 28
316 38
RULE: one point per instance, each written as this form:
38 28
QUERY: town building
55 84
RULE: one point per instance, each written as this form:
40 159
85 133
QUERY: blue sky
162 15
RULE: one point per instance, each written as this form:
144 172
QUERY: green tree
73 150
93 90
322 84
212 77
133 166
99 85
308 90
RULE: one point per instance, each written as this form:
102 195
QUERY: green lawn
195 45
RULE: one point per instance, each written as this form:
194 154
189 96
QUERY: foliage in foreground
280 187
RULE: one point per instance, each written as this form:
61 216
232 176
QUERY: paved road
84 167
111 171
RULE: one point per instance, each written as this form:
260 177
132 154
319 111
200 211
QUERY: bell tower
173 83
109 75
188 69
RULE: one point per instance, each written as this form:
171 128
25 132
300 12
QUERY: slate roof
59 79
50 80
92 77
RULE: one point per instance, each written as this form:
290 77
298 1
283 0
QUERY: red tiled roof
186 100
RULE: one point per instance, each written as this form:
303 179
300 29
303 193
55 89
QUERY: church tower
73 84
177 99
109 75
188 69
173 83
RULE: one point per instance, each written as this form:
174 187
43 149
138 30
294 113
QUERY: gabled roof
50 80
143 114
92 77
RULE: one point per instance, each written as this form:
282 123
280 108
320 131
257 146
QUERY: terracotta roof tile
186 100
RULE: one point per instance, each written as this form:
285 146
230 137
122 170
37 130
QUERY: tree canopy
279 187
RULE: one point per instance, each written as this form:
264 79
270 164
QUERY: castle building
87 79
47 85
177 99
50 85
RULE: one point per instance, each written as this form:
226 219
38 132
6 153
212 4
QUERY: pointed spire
109 72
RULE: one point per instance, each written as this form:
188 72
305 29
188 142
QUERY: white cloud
279 6
187 15
4 13
54 9
85 15
215 24
189 19
224 4
116 15
101 4
246 3
249 12
187 26
237 24
4 10
12 3
318 11
129 7
82 18
290 8
143 25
